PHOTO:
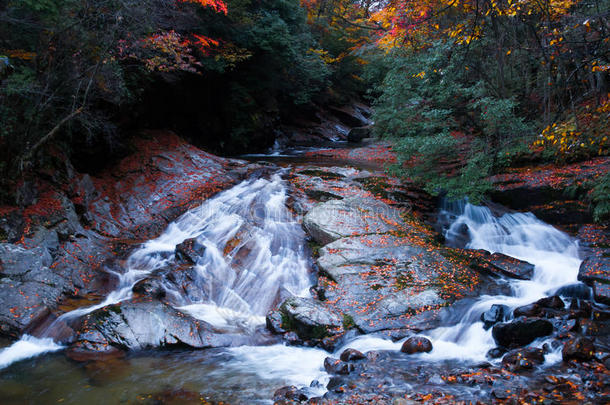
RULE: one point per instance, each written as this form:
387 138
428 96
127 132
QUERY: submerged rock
521 332
189 251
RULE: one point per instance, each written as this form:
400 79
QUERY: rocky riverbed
381 275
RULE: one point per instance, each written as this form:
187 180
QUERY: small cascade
253 257
554 254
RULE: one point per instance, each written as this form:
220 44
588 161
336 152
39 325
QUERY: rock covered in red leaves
59 242
146 190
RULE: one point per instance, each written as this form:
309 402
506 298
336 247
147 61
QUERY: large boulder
309 319
146 324
521 332
336 219
388 281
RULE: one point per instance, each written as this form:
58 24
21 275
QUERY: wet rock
497 313
352 355
309 319
553 302
150 287
136 325
499 264
407 293
353 216
564 326
289 393
357 134
274 322
576 290
579 348
416 344
28 287
496 352
523 359
336 384
189 251
322 195
292 338
580 308
521 332
594 268
529 310
335 366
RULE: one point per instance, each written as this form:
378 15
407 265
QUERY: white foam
26 347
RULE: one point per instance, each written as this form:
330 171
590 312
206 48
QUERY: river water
255 256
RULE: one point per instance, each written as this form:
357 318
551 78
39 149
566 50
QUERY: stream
255 255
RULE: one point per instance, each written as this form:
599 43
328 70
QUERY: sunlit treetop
218 5
410 21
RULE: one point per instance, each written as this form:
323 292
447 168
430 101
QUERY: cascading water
554 254
254 256
251 255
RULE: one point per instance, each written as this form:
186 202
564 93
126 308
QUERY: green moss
348 322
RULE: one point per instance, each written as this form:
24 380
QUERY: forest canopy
463 88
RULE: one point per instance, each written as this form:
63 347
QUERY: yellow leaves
323 54
600 68
20 54
586 133
508 52
421 74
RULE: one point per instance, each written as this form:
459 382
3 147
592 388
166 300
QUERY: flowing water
554 254
252 255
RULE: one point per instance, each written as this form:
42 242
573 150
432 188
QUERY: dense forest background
463 88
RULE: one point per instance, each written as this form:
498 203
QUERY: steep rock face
59 242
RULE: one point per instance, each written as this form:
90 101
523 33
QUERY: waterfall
254 257
523 236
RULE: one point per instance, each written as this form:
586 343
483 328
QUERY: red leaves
218 5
